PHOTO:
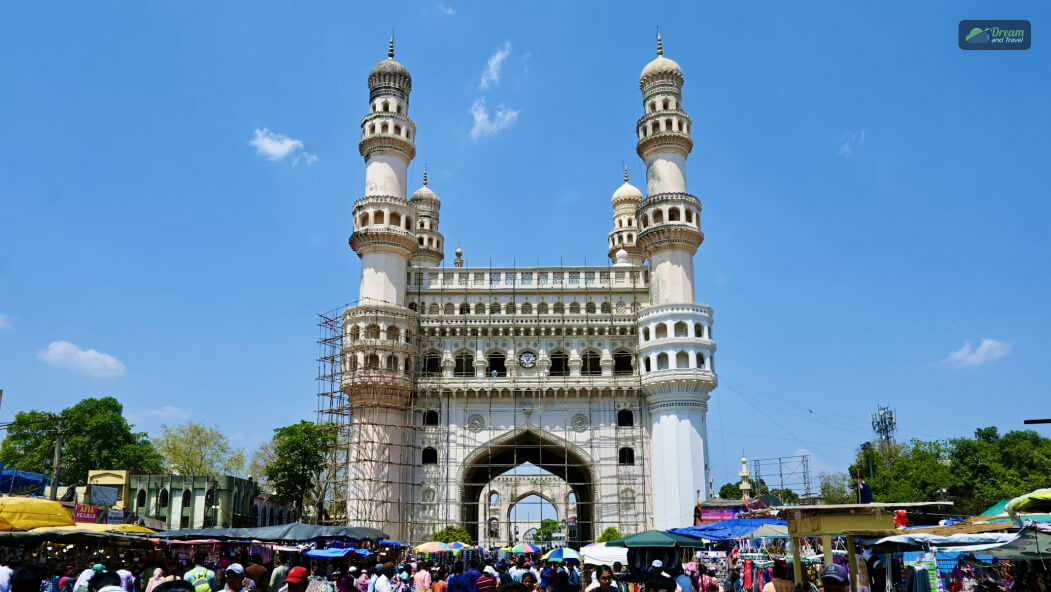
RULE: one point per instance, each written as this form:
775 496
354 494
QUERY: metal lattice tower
885 423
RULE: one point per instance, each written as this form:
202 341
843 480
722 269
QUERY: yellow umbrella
133 528
24 513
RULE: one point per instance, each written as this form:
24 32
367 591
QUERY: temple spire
390 48
425 175
660 48
625 173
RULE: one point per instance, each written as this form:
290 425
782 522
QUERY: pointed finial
625 173
660 48
390 48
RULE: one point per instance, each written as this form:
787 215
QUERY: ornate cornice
381 142
668 198
372 237
665 141
670 234
686 383
661 115
371 200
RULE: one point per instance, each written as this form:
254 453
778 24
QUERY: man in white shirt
383 582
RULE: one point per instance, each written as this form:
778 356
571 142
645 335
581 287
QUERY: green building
194 501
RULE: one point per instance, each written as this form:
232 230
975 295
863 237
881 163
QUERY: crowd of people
295 573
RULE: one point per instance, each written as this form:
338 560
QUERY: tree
452 534
787 496
836 488
193 449
610 534
96 436
548 527
262 458
730 491
299 458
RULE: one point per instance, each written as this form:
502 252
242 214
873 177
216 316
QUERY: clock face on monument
527 359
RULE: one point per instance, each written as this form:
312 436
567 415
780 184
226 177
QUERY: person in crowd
438 583
472 576
383 583
296 580
127 579
780 582
5 573
200 577
421 581
26 579
604 580
404 583
573 574
105 581
65 583
318 582
458 581
513 587
280 573
487 581
660 583
376 572
558 582
681 579
705 581
834 578
257 572
503 577
236 580
174 584
517 570
155 580
362 581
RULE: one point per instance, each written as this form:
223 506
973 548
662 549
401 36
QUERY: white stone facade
599 375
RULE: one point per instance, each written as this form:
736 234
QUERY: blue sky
875 199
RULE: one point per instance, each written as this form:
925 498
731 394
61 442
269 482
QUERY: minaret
624 234
384 225
431 242
675 344
377 349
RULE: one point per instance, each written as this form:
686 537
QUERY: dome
627 191
661 65
390 66
424 193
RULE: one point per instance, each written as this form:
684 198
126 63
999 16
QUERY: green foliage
548 527
610 534
262 458
299 457
974 473
96 437
733 490
836 488
193 449
787 496
452 534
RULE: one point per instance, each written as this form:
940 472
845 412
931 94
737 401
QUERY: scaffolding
783 474
461 429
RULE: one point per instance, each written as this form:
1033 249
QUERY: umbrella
561 554
456 545
432 547
524 548
23 513
655 538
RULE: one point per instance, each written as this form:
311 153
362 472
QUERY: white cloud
491 76
277 146
87 361
987 351
849 143
446 10
167 412
486 125
5 321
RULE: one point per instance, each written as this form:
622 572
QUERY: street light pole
56 459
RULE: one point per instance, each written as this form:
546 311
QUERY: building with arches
443 379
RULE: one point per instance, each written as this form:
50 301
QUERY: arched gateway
441 381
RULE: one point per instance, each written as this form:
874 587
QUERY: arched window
397 108
645 333
673 215
386 106
646 364
420 240
494 308
662 330
272 519
591 365
395 219
393 333
414 307
363 220
432 364
653 106
163 501
606 308
658 216
590 307
372 362
430 418
682 329
355 333
645 221
372 128
574 308
509 308
571 499
430 456
372 331
559 308
449 309
187 498
689 216
433 309
682 360
666 104
494 528
494 499
384 128
527 308
377 217
700 361
662 361
465 308
625 418
408 223
392 362
626 456
698 330
667 125
622 362
397 130
541 308
140 500
464 365
497 364
559 364
479 309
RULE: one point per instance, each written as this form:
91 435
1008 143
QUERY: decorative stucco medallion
580 422
475 423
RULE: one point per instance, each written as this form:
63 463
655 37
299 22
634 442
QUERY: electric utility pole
56 459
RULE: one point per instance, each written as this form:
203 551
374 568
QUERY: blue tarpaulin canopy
23 482
737 528
395 544
336 553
